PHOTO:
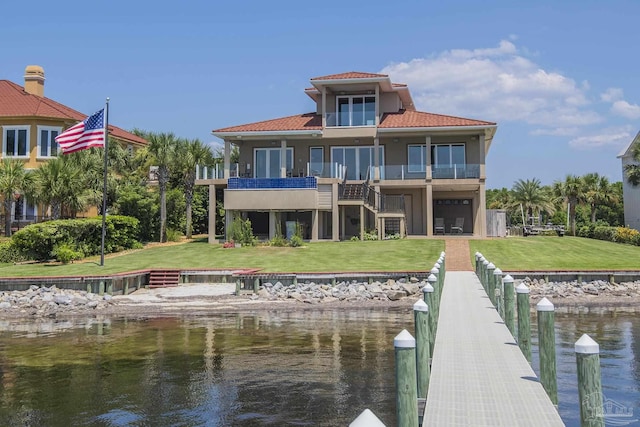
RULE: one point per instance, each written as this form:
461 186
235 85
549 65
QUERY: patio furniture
439 226
457 227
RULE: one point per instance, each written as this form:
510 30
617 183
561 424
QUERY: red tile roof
308 121
417 119
350 75
15 102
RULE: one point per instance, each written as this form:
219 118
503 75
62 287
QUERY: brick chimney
34 80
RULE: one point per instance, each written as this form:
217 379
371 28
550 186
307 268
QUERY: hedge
40 241
611 234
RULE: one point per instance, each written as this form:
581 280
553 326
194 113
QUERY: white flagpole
104 188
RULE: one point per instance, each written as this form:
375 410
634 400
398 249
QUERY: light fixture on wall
395 140
357 141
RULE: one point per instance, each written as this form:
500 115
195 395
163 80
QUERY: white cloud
498 84
556 132
614 136
624 109
612 94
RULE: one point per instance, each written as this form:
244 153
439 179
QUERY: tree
189 154
597 191
58 184
532 196
570 191
162 146
632 171
14 179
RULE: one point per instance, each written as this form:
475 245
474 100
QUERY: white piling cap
404 340
367 419
442 254
440 260
491 266
428 287
497 271
586 345
508 279
478 255
485 262
420 306
437 265
522 289
432 278
545 305
435 270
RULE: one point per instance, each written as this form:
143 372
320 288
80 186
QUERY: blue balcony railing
308 182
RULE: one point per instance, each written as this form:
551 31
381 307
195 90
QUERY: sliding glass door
358 160
267 162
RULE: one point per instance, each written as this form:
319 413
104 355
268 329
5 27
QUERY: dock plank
479 376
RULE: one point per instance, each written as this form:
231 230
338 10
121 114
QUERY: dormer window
356 110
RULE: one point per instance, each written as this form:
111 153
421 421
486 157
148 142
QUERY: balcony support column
272 224
283 158
376 155
427 141
428 201
314 225
324 107
483 154
335 213
227 159
212 214
228 220
377 107
361 222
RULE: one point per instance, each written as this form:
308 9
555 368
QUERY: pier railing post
436 290
497 291
477 256
421 320
427 294
589 382
547 348
442 263
491 268
509 304
485 268
406 382
524 320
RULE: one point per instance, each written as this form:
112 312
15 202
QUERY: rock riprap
313 293
573 289
47 301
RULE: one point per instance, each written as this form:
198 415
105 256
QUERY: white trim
4 141
322 162
267 133
49 129
437 128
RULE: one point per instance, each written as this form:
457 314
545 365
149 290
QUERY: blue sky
560 78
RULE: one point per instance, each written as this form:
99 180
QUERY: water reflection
319 368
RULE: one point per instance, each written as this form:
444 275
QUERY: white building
631 194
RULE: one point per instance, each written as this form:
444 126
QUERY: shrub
296 241
371 235
10 253
625 235
65 253
241 232
173 235
355 239
604 233
278 240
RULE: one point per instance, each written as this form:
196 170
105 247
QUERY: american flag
86 134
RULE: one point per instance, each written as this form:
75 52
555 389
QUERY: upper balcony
408 172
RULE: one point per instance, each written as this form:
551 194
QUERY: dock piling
547 348
427 295
589 382
491 268
497 291
421 320
406 381
367 419
524 320
509 304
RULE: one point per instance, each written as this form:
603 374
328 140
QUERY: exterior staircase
164 278
352 192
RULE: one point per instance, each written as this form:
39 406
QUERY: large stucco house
630 194
364 160
29 123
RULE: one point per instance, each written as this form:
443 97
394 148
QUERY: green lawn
557 253
391 255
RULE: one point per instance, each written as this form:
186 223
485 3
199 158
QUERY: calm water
267 369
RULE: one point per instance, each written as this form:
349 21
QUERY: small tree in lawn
14 179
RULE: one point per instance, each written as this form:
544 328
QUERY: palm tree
632 171
162 146
189 154
14 179
597 191
532 196
59 184
570 191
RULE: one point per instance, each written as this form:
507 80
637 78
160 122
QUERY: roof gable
18 103
418 119
350 75
308 121
627 150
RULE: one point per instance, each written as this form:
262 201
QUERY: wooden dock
479 376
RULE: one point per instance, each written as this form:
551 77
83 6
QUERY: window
417 158
23 210
16 141
447 155
316 160
358 160
267 162
356 110
47 145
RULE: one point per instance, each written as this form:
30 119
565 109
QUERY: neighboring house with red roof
29 123
630 194
364 160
